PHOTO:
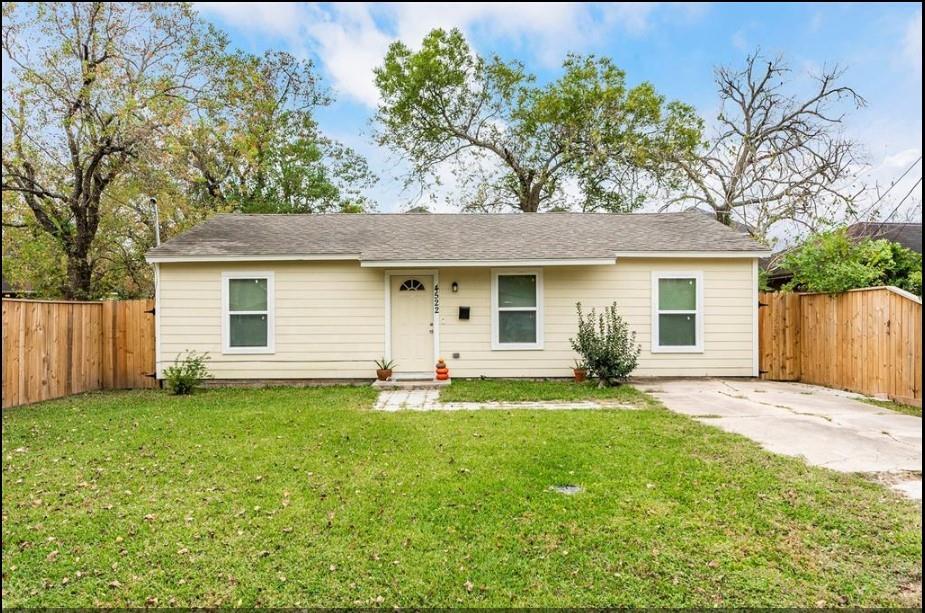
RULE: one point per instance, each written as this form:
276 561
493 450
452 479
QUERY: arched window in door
411 285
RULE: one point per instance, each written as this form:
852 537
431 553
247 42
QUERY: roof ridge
444 214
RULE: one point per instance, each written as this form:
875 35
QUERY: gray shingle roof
381 237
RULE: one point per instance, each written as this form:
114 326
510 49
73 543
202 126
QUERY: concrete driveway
826 427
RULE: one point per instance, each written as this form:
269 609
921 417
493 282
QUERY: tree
834 262
256 146
514 143
775 156
91 86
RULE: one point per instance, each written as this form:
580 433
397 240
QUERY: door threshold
424 375
411 384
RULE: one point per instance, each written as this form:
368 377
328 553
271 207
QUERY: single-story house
323 296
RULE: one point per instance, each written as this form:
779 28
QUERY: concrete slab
826 427
428 400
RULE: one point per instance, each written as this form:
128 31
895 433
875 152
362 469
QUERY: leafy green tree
512 142
834 262
106 105
256 146
91 85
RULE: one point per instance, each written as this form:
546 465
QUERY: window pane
677 330
517 326
517 290
248 331
247 294
677 294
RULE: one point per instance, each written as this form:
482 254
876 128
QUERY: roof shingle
465 237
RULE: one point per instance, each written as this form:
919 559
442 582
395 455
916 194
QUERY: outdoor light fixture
455 287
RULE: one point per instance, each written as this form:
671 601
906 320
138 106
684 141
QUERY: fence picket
56 348
867 341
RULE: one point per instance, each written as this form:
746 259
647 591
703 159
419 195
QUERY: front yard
300 497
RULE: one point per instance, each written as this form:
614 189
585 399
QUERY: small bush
606 345
187 372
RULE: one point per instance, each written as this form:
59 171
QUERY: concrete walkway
428 400
826 427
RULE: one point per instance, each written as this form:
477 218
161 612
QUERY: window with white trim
677 312
517 309
247 318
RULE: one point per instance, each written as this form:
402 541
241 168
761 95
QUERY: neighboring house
909 235
322 296
8 291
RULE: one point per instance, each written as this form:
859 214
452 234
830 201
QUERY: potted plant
384 369
581 371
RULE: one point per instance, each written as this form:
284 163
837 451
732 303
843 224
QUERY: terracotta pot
383 374
580 374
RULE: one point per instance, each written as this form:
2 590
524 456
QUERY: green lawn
475 390
895 406
299 497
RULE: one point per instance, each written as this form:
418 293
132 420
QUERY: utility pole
157 222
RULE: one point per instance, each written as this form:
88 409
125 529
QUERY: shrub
188 371
606 345
834 262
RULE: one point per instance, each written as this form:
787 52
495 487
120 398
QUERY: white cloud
350 45
281 18
350 39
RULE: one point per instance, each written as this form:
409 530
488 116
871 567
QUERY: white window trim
496 345
698 313
270 313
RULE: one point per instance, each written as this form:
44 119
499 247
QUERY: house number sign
436 298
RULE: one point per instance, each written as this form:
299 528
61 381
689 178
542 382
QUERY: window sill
248 351
677 350
516 347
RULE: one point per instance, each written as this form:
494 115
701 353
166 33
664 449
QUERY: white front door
412 323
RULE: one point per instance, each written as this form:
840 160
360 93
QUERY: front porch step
411 384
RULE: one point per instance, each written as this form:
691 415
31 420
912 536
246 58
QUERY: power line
892 185
909 193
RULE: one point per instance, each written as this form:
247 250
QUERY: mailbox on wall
464 312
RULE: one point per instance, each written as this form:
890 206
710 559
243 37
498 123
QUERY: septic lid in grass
568 490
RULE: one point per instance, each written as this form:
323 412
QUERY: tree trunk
724 216
530 199
79 277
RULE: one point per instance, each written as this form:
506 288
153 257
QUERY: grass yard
476 390
299 497
895 406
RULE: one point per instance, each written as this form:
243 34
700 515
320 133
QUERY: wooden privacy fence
866 340
57 348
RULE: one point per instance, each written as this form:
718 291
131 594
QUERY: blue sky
674 46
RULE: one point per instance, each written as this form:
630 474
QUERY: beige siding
330 319
728 319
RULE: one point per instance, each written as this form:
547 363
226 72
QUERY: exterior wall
330 319
728 302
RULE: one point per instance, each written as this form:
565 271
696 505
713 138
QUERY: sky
676 47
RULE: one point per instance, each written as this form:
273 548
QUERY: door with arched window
412 323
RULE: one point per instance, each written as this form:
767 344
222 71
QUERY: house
9 291
909 235
323 296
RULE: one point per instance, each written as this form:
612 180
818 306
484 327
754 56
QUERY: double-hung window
247 312
517 309
677 312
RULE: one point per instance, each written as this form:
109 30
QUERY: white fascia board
693 254
483 263
163 259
